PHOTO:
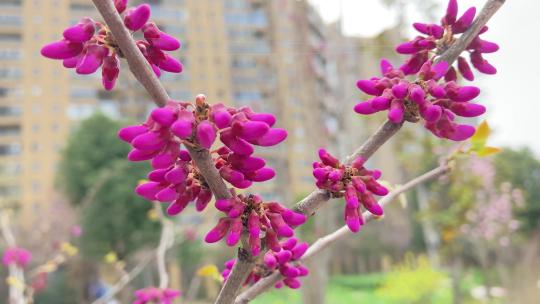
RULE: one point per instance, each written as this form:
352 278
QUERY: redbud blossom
16 256
355 183
89 45
155 295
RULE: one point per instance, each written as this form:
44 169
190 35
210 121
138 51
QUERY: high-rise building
270 55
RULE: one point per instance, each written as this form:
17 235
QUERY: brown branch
453 52
325 242
239 273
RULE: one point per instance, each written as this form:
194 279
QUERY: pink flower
89 45
155 295
271 219
437 104
439 37
16 256
355 183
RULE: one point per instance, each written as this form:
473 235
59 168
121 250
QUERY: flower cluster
155 295
438 38
175 177
16 256
357 184
270 218
437 104
89 45
286 261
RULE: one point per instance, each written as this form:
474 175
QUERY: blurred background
472 237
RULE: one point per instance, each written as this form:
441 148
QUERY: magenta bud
292 283
369 87
465 21
120 5
230 175
462 132
432 113
488 47
262 175
289 243
170 64
166 195
292 218
364 108
223 204
175 176
328 159
204 197
178 206
62 49
289 271
481 64
222 119
465 69
467 109
110 71
465 94
246 164
408 47
299 250
236 210
272 241
71 63
352 219
80 32
136 155
270 260
237 145
148 190
396 112
375 209
149 141
183 126
219 231
358 184
157 175
335 175
129 133
386 67
269 119
234 232
439 69
358 163
254 223
380 103
320 174
250 130
159 39
136 17
400 90
451 12
162 161
271 138
163 116
254 245
304 271
418 95
283 256
350 197
206 134
92 59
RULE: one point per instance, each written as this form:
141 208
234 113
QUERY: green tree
96 177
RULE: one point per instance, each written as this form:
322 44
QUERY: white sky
512 96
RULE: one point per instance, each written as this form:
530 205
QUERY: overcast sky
512 94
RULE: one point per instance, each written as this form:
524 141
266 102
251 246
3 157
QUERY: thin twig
165 242
325 242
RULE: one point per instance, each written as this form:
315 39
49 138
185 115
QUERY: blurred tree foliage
522 169
95 176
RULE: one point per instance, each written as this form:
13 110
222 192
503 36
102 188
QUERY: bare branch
325 242
241 269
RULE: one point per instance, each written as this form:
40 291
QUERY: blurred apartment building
275 56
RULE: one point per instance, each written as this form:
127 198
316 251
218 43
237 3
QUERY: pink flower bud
271 138
175 176
80 32
467 109
163 116
219 231
230 175
283 256
386 66
149 141
380 103
462 132
396 112
328 159
292 218
272 241
129 133
352 219
136 155
365 108
369 87
250 130
148 190
183 126
234 232
451 12
136 17
62 49
166 195
206 134
270 260
408 47
464 22
465 69
92 59
237 145
350 197
280 226
292 283
163 160
269 119
222 119
289 243
432 113
159 39
203 199
261 175
299 250
304 271
110 71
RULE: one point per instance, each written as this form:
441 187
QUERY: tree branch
325 242
239 273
